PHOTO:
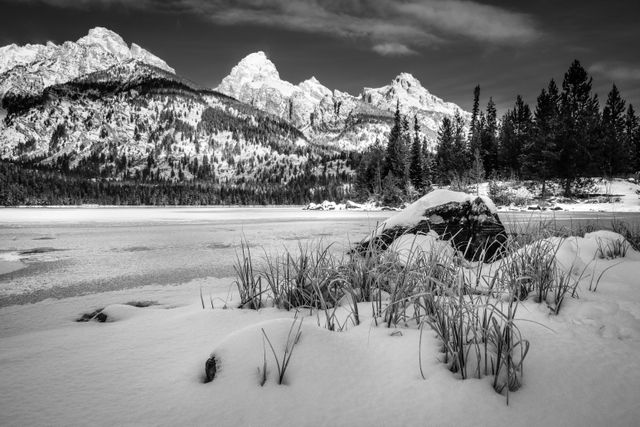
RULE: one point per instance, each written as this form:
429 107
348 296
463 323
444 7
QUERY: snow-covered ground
624 195
146 367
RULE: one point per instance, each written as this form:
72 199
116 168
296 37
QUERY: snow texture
146 366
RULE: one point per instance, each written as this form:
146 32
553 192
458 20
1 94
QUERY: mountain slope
136 121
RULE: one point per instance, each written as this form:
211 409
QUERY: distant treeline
38 186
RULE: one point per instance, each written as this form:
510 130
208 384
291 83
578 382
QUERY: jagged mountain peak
311 80
314 88
105 38
313 107
407 81
99 45
258 65
29 69
256 81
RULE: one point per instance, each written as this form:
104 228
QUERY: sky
507 47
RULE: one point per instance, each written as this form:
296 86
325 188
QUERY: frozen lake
62 252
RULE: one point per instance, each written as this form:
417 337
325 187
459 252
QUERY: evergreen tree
579 121
514 135
488 139
632 139
396 157
416 165
444 150
615 152
539 158
460 156
429 165
369 171
474 130
477 171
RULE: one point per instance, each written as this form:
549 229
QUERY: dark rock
96 315
210 369
468 223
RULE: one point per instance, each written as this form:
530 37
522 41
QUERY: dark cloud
506 47
387 26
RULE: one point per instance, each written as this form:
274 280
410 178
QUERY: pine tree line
565 137
401 169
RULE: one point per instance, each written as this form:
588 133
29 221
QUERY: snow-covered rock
471 224
325 206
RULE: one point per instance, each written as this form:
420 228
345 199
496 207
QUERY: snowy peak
257 66
254 80
407 82
413 98
317 110
13 55
314 89
108 40
29 69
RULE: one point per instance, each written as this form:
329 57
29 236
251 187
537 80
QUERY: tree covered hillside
133 126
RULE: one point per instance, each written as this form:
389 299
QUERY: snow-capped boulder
471 224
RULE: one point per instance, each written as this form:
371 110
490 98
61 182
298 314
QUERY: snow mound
119 312
409 248
606 236
241 354
577 252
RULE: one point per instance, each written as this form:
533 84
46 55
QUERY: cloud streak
393 49
616 72
388 27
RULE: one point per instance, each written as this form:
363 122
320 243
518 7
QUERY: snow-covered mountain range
329 115
108 109
29 69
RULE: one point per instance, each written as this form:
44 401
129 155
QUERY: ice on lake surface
61 252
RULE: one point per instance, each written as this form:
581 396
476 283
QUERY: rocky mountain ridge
100 109
329 116
28 70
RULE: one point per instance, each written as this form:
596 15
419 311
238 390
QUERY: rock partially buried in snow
210 369
469 223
